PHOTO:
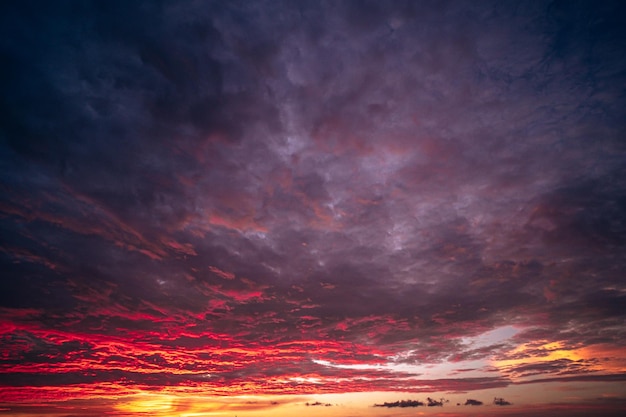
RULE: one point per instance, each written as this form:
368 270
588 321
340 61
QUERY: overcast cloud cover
300 197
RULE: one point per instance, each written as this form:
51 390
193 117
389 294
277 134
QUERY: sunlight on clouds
530 353
350 366
611 358
302 380
546 357
403 370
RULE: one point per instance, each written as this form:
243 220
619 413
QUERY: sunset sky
312 208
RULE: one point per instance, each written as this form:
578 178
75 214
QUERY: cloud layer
268 197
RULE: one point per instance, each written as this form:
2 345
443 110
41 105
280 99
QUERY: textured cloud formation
275 198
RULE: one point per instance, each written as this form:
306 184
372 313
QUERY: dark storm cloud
393 176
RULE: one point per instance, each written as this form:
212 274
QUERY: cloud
317 403
310 199
402 404
436 403
500 401
581 378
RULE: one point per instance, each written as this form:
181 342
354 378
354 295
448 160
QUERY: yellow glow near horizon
147 403
182 404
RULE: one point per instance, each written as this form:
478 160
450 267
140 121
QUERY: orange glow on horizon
147 403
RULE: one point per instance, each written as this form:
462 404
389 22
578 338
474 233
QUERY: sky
312 208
